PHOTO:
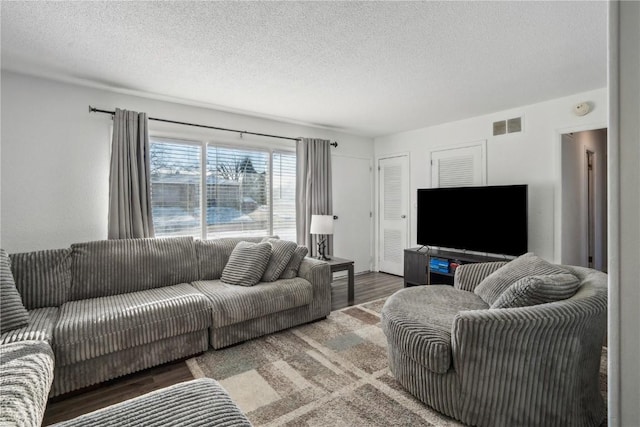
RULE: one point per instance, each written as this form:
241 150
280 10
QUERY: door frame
557 214
376 254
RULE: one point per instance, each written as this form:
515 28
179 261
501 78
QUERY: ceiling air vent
503 127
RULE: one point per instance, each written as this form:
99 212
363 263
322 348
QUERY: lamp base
322 246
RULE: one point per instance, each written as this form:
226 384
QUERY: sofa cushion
291 270
94 327
43 278
418 321
214 254
196 403
114 267
12 313
247 264
281 253
234 304
525 265
26 374
534 290
39 327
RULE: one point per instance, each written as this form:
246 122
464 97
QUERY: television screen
489 219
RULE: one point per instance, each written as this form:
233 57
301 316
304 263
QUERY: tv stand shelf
418 271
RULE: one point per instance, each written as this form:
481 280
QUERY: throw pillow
292 268
12 312
525 265
534 290
246 264
281 252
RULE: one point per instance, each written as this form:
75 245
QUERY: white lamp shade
321 224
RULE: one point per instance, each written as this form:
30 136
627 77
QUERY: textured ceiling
369 68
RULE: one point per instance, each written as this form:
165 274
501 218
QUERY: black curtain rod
96 110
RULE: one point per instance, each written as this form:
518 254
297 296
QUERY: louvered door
394 208
459 167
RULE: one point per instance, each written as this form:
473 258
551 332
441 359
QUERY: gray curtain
313 189
129 180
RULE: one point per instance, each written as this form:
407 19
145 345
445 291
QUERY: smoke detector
581 109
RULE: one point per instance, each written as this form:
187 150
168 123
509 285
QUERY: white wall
531 157
624 214
55 155
574 224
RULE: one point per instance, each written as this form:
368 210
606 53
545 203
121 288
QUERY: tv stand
418 271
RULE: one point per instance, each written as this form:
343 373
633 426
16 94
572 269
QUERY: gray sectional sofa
510 344
110 308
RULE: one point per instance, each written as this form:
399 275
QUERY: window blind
175 188
237 192
247 191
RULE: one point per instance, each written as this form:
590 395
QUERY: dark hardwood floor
368 287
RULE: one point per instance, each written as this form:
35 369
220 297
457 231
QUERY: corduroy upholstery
247 263
281 252
39 328
12 312
26 372
112 267
213 254
291 270
132 359
533 290
94 327
524 366
197 403
471 275
232 304
418 322
525 265
317 274
43 278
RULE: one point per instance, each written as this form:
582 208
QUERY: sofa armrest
26 374
468 276
318 273
200 402
510 361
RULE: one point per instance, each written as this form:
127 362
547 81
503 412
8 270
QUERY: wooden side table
341 264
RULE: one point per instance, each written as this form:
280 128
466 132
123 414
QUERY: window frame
202 141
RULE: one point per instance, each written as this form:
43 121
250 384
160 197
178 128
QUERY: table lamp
322 225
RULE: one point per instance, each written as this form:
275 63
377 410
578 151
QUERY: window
175 188
243 191
237 192
284 195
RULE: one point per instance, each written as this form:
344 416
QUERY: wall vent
503 127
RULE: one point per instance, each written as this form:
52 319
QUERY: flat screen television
489 219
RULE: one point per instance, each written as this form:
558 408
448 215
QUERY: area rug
332 372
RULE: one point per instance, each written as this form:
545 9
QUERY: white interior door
394 213
352 188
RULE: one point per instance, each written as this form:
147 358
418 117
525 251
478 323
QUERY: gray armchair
525 366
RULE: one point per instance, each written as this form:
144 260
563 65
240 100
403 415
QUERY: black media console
437 267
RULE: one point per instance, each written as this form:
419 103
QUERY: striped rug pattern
333 372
